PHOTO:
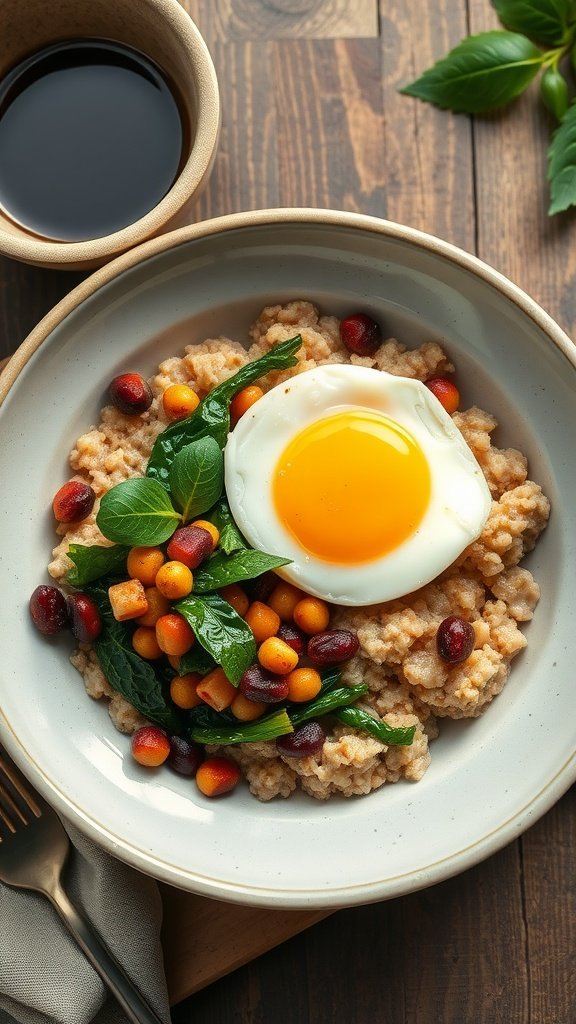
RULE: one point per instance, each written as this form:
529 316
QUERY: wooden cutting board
203 939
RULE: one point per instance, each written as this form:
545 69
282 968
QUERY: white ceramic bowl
490 778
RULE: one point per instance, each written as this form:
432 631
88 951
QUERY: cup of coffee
109 123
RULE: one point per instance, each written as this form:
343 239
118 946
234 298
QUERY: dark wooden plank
26 295
287 19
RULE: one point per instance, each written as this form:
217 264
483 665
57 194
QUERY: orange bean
277 656
145 643
179 401
284 599
157 605
143 564
244 400
311 615
303 684
263 621
237 597
183 690
173 634
217 775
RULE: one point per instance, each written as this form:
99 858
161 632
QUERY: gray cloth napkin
45 977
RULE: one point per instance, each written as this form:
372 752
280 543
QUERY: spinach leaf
126 671
196 660
197 477
210 728
230 537
220 631
93 561
326 702
377 727
137 512
212 417
221 569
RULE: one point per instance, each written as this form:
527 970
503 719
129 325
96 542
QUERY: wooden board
203 940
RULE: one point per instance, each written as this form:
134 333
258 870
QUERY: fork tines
17 805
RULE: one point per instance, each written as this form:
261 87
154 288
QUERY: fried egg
360 478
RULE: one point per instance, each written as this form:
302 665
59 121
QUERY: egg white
459 501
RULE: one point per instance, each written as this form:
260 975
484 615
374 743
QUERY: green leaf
325 703
222 569
93 561
220 631
137 512
209 728
196 660
230 537
197 477
562 164
128 673
377 727
212 417
554 92
482 73
546 21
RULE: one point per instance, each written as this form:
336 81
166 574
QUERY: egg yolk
351 487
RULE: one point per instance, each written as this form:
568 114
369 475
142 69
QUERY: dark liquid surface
90 139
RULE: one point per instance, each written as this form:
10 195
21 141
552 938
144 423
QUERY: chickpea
179 401
311 615
277 656
144 563
174 580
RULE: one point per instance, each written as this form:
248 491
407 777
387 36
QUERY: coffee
91 139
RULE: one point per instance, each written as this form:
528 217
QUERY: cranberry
293 637
184 757
130 393
74 501
84 617
190 545
49 610
306 741
332 646
446 392
455 639
360 334
258 685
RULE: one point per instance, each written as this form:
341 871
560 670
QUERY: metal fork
34 847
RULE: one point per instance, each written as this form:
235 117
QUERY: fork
34 848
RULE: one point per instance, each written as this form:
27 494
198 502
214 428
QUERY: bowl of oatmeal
477 746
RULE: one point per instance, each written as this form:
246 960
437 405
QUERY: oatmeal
408 683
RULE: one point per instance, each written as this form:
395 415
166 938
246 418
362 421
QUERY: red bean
184 757
306 741
292 636
74 501
332 646
130 393
360 334
455 639
446 392
84 617
258 685
49 610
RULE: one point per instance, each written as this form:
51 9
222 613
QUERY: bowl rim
229 891
282 215
36 250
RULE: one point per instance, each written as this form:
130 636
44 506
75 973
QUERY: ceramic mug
160 30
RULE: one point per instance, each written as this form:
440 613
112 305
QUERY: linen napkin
44 976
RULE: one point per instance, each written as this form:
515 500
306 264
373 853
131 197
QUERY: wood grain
286 19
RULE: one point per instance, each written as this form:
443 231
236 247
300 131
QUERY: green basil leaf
220 631
222 569
388 734
230 537
562 164
209 728
93 561
128 673
482 73
212 417
546 21
197 477
137 512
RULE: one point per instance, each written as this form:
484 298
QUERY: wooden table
312 117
